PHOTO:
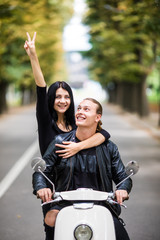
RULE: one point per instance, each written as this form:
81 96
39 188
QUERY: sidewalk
149 124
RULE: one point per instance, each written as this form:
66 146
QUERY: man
94 168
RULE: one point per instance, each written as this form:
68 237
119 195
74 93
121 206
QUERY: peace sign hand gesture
30 45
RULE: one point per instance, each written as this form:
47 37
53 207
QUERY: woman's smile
62 100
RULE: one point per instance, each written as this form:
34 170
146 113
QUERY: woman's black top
47 128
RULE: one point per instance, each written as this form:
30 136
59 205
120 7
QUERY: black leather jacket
109 161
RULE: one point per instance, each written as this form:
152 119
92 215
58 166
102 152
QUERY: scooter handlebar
57 198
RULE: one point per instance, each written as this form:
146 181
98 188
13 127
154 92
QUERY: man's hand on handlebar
121 195
45 194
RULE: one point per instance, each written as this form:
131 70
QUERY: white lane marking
17 168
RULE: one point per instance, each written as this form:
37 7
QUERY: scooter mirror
132 168
38 164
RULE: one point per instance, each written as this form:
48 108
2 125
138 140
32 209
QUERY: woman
55 114
53 121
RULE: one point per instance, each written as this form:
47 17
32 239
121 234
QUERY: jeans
49 231
121 233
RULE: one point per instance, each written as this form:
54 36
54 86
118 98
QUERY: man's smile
80 117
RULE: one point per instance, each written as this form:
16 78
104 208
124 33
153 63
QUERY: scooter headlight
83 232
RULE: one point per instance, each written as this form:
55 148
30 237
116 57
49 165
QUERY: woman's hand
69 149
31 51
30 45
45 194
121 195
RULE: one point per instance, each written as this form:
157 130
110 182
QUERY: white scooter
84 220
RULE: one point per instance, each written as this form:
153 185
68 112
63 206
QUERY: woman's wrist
33 56
80 146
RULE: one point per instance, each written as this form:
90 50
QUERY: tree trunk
136 98
112 92
127 96
132 97
33 96
3 102
142 102
119 94
28 96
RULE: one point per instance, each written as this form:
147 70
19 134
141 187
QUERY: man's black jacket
109 162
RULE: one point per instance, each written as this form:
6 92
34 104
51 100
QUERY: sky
75 37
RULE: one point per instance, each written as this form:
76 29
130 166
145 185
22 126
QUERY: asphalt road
20 211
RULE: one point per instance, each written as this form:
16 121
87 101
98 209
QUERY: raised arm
31 51
71 148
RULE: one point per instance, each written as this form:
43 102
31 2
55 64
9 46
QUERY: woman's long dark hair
70 113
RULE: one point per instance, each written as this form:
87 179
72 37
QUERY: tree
124 45
48 18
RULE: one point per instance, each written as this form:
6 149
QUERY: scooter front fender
97 217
